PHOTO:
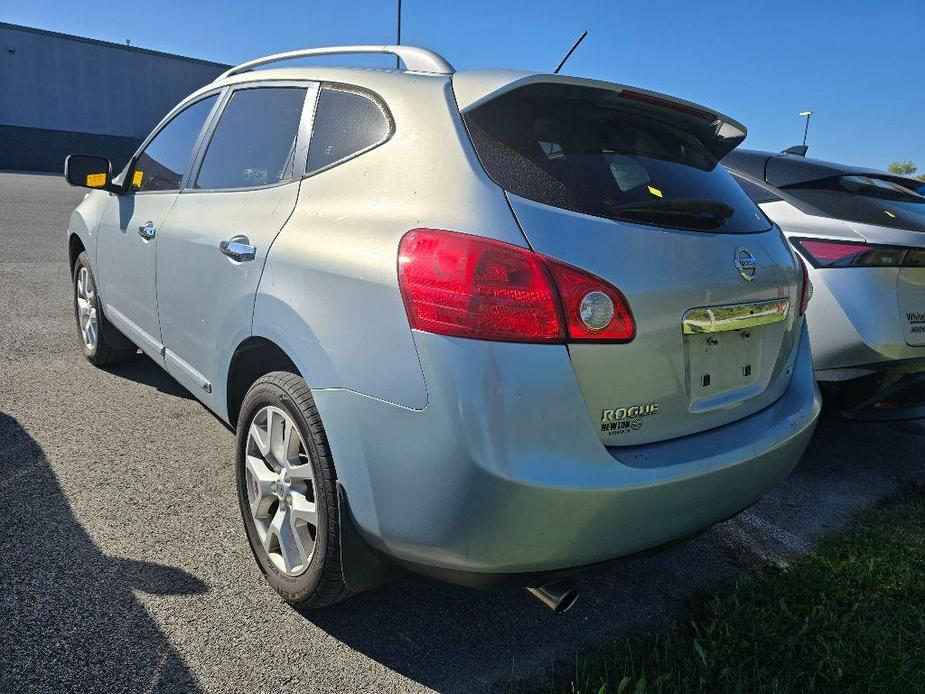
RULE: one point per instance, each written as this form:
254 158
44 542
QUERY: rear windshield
864 199
576 148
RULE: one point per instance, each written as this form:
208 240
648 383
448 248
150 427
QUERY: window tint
866 199
163 162
579 149
345 124
255 139
755 192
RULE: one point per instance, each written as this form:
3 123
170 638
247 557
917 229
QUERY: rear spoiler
785 171
719 133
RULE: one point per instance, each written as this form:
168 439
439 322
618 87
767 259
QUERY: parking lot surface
123 565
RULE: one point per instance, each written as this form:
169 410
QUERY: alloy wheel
86 308
281 490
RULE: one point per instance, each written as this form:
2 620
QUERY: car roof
779 169
472 88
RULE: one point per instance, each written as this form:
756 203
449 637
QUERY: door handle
238 249
147 231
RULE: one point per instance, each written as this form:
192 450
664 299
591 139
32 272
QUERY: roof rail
415 59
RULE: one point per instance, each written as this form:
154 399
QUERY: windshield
866 199
576 148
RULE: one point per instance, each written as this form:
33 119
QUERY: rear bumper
502 477
864 366
855 320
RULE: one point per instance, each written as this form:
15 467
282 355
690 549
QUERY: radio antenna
567 55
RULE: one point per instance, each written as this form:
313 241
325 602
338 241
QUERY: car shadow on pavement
455 639
144 370
69 620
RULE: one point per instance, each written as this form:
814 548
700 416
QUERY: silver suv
491 326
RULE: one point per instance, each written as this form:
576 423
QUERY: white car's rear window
865 199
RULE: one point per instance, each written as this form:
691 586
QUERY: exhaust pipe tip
558 596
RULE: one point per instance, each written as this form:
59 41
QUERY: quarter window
255 140
164 161
346 124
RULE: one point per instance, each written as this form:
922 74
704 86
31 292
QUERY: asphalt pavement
124 566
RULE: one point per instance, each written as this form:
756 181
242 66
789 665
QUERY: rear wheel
101 343
287 491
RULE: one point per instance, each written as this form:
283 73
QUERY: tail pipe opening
558 596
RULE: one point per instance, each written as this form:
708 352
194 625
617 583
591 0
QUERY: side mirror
88 171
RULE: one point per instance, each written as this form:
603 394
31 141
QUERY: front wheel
102 344
288 493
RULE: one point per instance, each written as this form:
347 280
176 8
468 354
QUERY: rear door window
575 148
254 142
865 199
346 124
164 160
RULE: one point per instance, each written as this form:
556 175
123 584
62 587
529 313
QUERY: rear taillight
468 286
593 308
806 288
831 254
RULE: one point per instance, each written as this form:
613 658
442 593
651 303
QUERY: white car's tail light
823 253
830 254
469 286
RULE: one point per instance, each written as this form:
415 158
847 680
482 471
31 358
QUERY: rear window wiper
706 214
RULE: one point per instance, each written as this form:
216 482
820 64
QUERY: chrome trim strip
135 333
720 319
172 359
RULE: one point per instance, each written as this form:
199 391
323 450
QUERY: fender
85 222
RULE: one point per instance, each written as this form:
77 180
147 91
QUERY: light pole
808 115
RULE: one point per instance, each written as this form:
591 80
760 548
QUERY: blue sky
857 64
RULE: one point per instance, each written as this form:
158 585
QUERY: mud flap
362 566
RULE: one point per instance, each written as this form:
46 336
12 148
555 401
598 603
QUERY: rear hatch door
629 189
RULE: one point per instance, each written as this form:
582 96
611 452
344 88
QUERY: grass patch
848 618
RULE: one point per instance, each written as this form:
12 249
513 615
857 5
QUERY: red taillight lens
575 287
806 290
469 286
829 254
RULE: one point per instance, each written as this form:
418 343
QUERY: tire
317 579
108 345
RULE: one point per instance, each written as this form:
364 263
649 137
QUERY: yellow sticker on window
889 214
96 180
136 179
655 191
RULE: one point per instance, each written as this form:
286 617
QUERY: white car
863 234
